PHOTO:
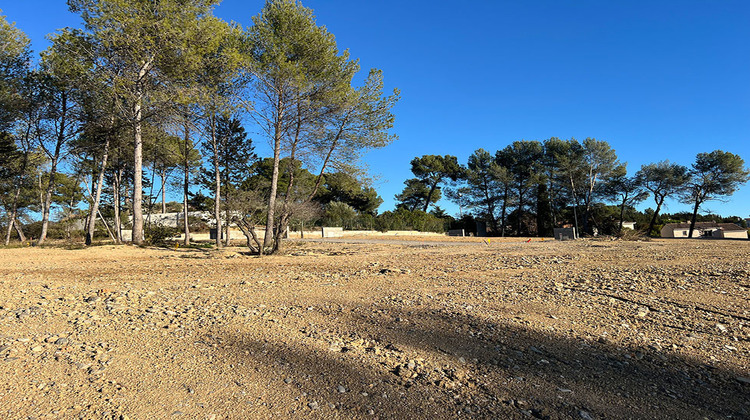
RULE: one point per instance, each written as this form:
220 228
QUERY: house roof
706 225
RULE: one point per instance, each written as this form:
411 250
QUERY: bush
158 234
339 214
403 219
54 230
197 224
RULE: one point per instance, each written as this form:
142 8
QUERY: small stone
313 405
288 380
61 341
341 389
177 413
37 349
721 328
585 415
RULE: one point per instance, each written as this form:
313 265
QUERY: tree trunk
163 191
248 229
13 213
226 228
185 189
97 196
217 182
186 225
519 221
47 203
695 215
275 174
138 236
150 206
53 170
575 205
284 218
433 187
502 214
227 215
543 210
116 204
656 214
19 231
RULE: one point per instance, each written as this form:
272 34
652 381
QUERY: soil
508 329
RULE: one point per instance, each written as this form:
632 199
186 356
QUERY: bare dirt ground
586 330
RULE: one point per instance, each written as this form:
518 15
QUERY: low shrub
158 234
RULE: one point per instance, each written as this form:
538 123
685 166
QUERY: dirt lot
586 330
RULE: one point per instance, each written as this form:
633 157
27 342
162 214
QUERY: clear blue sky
656 79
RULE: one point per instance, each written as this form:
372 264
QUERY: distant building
628 225
704 230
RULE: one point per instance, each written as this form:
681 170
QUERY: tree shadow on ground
414 362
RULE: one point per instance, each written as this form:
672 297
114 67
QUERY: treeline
150 96
530 187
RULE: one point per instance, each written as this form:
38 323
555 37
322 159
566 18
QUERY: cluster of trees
150 95
529 187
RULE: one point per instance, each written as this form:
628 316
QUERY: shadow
397 360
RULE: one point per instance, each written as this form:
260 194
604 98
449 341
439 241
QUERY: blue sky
656 79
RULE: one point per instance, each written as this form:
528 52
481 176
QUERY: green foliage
10 159
417 195
403 219
624 190
159 235
306 103
432 170
14 64
713 176
345 188
236 154
261 173
54 231
662 180
339 214
522 159
486 188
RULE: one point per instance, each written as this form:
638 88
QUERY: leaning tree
713 176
